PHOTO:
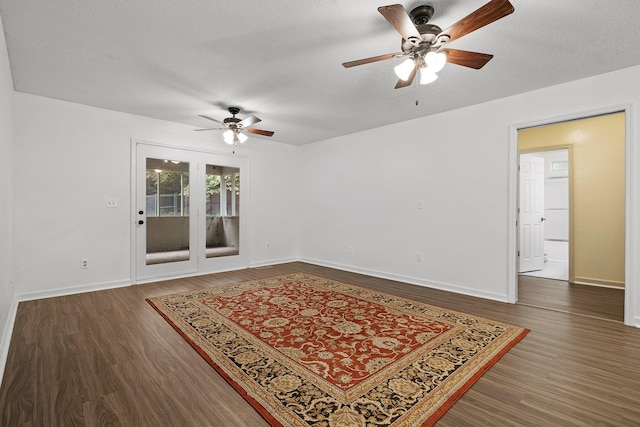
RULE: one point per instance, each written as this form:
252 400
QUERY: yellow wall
597 174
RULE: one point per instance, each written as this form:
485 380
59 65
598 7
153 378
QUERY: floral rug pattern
309 351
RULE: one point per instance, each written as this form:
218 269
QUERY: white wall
362 190
275 207
7 305
70 157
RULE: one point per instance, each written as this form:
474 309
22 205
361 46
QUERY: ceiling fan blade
210 129
405 83
259 132
212 119
249 121
398 17
467 59
372 59
487 14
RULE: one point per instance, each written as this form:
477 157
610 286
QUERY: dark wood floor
107 359
559 295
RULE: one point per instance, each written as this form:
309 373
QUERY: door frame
632 205
203 265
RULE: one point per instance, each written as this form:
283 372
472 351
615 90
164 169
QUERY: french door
187 212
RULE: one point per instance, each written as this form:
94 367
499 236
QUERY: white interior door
531 213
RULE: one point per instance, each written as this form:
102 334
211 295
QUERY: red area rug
305 350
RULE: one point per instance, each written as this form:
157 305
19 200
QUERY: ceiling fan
235 127
423 43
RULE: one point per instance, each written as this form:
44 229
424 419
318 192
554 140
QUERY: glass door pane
167 202
166 222
222 190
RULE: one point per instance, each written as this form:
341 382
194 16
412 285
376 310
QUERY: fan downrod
232 120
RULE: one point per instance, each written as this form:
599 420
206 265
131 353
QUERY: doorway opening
587 197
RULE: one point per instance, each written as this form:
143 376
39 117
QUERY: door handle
141 222
543 219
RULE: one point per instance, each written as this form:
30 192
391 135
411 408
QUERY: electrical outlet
350 250
112 203
84 263
268 245
419 257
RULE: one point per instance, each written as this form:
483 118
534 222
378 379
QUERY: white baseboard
413 280
599 282
6 335
59 292
558 260
272 262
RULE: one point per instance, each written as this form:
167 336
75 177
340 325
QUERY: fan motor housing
234 119
420 17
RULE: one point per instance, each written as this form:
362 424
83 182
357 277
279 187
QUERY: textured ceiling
281 60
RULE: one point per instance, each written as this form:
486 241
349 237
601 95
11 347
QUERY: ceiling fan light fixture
234 127
424 43
436 60
228 137
427 75
403 70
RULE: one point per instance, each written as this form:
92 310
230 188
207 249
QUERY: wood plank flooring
108 359
559 295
